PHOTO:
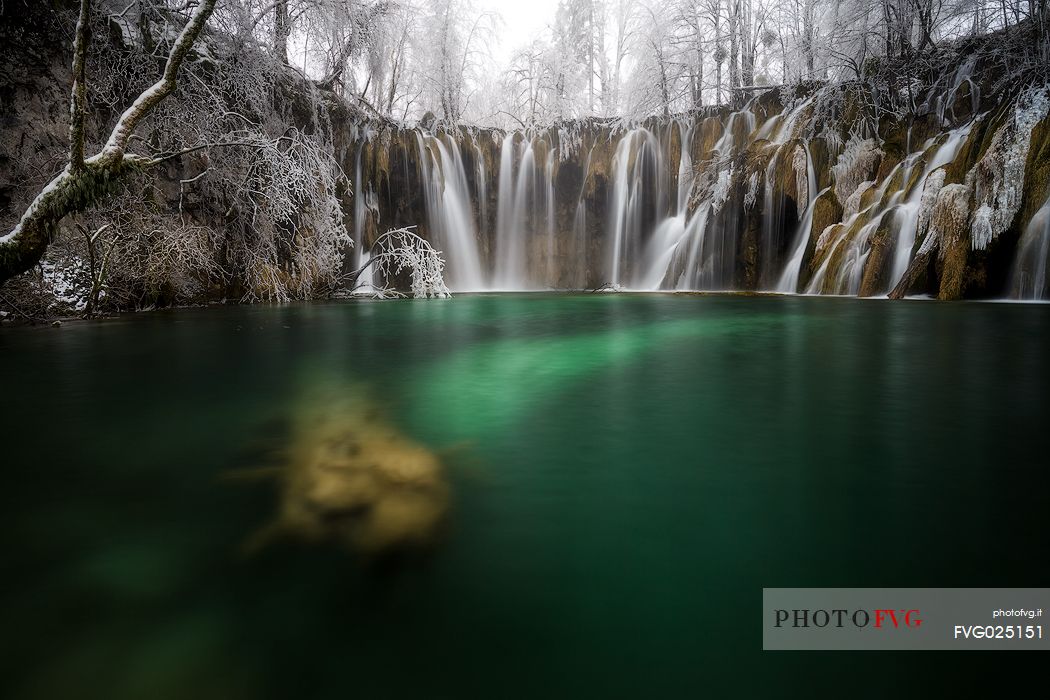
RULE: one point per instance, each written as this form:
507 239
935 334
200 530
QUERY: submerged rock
348 475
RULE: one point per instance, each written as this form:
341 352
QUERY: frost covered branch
400 251
78 98
84 181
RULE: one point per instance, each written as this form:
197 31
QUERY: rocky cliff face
795 191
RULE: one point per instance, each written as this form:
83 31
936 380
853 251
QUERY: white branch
151 97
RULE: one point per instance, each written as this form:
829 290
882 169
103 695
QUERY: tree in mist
664 57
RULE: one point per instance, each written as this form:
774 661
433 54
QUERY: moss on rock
882 246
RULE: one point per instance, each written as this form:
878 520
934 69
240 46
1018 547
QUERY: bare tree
85 180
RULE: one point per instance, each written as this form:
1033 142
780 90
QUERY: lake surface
628 473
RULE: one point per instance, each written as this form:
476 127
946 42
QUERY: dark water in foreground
638 468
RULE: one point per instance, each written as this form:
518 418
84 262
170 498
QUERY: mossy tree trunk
84 181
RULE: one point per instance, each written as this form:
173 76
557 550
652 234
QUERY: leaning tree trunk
72 191
84 181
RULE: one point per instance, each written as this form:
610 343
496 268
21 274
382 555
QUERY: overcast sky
523 20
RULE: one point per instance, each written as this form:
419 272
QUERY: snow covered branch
144 104
400 251
78 98
83 181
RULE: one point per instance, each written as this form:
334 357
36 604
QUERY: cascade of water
699 251
784 123
1033 258
449 215
946 101
772 215
671 231
704 257
908 211
579 226
685 167
851 273
902 203
504 213
579 238
360 211
517 195
483 201
698 267
638 198
788 282
548 174
365 283
653 238
512 257
524 213
660 251
727 142
856 245
618 210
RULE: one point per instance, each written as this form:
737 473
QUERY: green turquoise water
629 471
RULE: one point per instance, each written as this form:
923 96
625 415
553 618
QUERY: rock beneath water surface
348 475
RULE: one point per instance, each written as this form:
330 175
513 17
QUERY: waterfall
852 250
691 203
638 200
504 257
946 100
685 167
514 212
660 251
908 212
698 251
784 123
366 204
669 233
727 142
579 227
789 280
360 211
526 230
851 274
772 213
788 283
1033 258
365 283
480 186
619 204
512 272
548 189
449 213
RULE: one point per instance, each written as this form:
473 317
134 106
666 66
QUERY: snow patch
948 217
799 163
997 179
932 186
720 193
67 282
752 191
854 165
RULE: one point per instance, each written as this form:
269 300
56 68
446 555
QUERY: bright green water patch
490 385
630 471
